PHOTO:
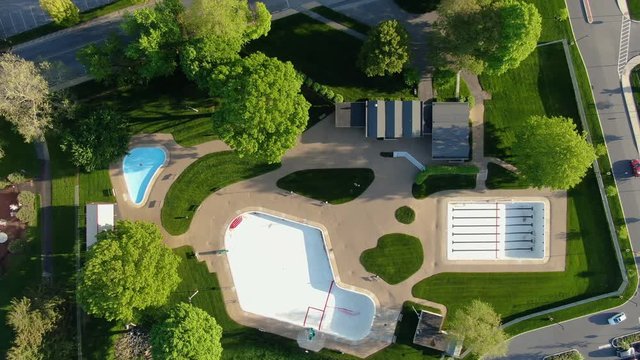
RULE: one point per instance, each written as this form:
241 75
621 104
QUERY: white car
617 318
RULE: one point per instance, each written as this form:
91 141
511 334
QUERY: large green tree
486 35
96 139
550 152
188 332
263 111
107 62
127 270
62 12
386 50
478 326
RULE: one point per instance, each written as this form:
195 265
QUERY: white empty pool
140 167
496 230
281 270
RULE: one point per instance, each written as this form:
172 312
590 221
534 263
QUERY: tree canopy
31 322
188 332
487 35
62 12
549 152
24 97
386 50
265 118
127 270
96 139
478 326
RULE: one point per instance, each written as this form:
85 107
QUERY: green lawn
207 175
635 84
17 154
590 269
405 215
441 182
342 19
165 106
328 56
634 9
501 178
395 258
444 84
336 186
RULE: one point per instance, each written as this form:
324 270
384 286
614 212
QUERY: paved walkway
43 186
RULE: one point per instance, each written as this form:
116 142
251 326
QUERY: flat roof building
450 131
382 119
429 334
100 217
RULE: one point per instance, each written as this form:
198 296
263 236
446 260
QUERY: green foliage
494 35
442 182
27 213
62 12
16 178
32 321
549 152
188 332
478 325
263 111
96 139
127 270
569 355
386 50
395 258
405 215
17 246
107 62
445 169
335 186
611 190
322 90
411 76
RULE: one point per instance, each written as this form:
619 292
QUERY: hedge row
445 169
322 90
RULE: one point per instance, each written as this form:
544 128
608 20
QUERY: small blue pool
140 167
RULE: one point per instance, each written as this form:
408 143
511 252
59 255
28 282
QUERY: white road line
607 346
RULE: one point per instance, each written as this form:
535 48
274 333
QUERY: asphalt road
599 44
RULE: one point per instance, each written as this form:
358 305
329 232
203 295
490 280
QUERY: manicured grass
164 106
444 83
395 258
501 178
635 84
204 177
342 19
51 27
405 215
634 9
417 6
435 183
336 186
590 269
17 154
328 56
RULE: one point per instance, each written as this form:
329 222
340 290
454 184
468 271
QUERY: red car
635 167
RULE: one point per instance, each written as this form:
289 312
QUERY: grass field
336 186
328 56
17 154
501 178
441 182
202 178
395 258
635 83
342 19
634 9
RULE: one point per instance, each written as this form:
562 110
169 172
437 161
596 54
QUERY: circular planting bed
405 215
395 258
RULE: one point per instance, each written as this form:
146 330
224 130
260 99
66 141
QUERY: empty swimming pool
281 270
140 167
496 230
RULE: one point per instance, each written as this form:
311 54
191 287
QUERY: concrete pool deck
353 227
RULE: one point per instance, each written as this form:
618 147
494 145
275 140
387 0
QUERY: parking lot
18 16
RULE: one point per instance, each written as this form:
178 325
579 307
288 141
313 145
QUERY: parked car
635 167
617 318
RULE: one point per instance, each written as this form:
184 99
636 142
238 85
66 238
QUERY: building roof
100 217
393 119
428 333
350 114
450 132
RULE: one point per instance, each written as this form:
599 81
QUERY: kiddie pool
140 167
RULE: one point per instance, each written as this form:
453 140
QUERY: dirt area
13 228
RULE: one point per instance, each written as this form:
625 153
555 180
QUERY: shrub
17 246
411 77
62 12
445 169
611 190
316 87
4 184
338 98
568 355
27 212
16 178
421 177
405 215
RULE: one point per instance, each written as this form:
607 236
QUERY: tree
478 326
31 322
188 332
127 270
107 62
96 139
24 97
491 35
62 12
217 30
263 111
157 37
386 50
549 152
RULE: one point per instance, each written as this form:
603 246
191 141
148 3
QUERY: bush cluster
445 169
27 212
568 355
16 178
322 90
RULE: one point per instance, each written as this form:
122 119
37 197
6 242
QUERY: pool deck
352 227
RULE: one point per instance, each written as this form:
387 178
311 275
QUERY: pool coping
126 195
382 330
